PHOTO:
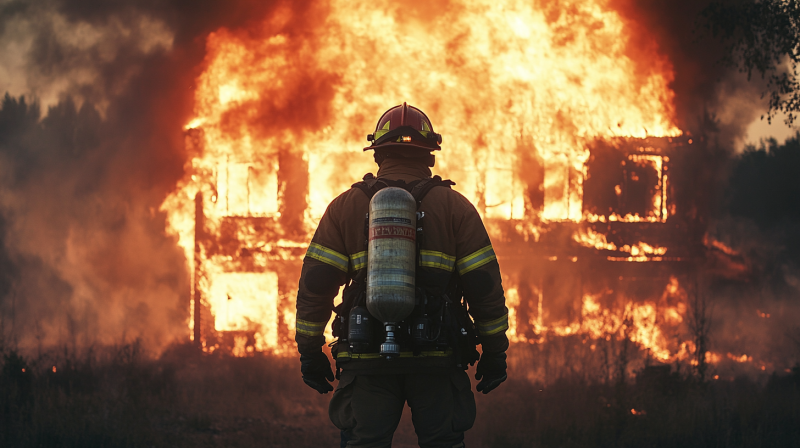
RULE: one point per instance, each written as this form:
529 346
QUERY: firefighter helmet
404 127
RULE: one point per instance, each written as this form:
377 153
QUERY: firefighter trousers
367 408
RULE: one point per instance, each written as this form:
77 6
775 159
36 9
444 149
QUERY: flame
640 251
658 211
589 238
740 359
642 323
722 247
511 85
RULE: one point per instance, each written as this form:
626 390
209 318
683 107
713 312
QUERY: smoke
711 98
746 201
52 55
87 157
761 220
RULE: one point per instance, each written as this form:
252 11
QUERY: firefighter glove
492 368
316 370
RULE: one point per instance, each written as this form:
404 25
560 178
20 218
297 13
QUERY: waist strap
408 354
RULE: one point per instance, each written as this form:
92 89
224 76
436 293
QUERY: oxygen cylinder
391 260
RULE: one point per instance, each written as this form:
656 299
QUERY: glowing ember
740 359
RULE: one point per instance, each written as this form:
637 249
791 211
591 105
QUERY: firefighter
459 302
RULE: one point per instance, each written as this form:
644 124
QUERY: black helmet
404 127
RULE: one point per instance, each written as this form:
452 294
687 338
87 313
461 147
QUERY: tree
762 37
699 320
764 188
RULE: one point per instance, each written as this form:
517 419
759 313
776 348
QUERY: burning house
569 153
626 246
594 137
249 240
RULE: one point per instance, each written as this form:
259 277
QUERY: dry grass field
121 398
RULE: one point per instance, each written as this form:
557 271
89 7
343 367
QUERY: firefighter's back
456 278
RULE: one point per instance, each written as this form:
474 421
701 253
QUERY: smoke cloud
743 200
87 157
711 98
94 147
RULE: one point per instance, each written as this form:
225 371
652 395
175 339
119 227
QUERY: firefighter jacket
455 243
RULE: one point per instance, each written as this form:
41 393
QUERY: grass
119 397
669 412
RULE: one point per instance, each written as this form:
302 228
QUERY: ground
126 399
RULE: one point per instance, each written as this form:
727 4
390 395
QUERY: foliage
121 397
761 36
699 320
764 188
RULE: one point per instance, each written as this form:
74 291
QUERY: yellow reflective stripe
358 261
493 326
309 328
439 260
503 318
328 256
476 260
423 354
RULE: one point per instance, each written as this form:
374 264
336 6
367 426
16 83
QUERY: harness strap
418 188
354 293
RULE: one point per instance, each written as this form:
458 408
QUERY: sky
761 129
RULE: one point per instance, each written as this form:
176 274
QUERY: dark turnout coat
455 243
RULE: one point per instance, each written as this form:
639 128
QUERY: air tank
391 260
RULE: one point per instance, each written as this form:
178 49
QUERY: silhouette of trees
762 37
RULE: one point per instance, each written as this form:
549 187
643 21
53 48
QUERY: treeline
764 188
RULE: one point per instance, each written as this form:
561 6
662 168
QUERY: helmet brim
411 138
401 146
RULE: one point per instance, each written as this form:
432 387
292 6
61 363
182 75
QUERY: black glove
317 371
492 368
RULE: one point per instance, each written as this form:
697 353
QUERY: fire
740 359
589 238
719 246
640 251
642 323
518 90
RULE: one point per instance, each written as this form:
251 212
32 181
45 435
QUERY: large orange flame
503 81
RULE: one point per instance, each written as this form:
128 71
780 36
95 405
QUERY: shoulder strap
426 185
419 188
367 185
371 184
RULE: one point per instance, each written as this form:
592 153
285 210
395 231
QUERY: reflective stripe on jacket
455 240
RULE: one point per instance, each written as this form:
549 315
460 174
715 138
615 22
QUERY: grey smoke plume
85 259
